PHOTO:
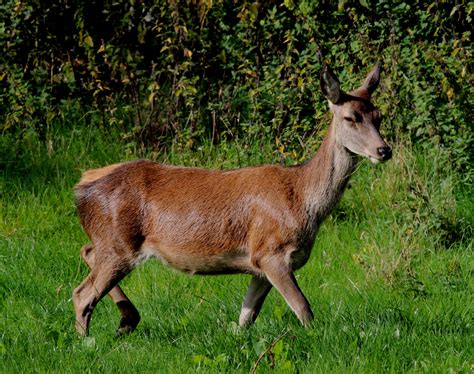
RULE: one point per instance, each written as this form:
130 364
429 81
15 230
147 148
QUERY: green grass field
390 279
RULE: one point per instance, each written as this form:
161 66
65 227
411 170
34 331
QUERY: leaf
88 41
199 358
188 53
450 93
278 348
340 6
364 4
454 10
288 365
289 4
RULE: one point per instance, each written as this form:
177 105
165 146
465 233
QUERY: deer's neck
325 177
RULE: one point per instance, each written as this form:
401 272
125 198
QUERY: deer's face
356 120
357 124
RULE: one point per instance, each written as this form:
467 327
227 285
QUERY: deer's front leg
282 278
256 294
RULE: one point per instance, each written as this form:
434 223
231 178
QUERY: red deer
258 220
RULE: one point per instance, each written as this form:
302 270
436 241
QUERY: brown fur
257 220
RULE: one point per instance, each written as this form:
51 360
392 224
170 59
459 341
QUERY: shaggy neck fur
325 177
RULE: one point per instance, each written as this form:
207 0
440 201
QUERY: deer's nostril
385 152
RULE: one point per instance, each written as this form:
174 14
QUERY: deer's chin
374 160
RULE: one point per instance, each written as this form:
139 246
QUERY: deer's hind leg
129 314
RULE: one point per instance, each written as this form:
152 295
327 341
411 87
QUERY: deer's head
356 120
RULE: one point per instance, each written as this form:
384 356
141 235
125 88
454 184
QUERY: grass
390 279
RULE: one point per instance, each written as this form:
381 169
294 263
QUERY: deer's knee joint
86 251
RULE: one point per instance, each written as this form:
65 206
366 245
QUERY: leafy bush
190 71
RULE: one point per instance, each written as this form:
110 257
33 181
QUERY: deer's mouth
367 154
380 154
374 160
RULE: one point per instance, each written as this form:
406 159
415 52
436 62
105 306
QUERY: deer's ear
373 79
330 85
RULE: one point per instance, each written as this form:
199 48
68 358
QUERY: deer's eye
351 121
354 118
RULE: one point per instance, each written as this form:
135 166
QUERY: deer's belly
202 261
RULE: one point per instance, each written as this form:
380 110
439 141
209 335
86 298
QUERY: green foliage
191 71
